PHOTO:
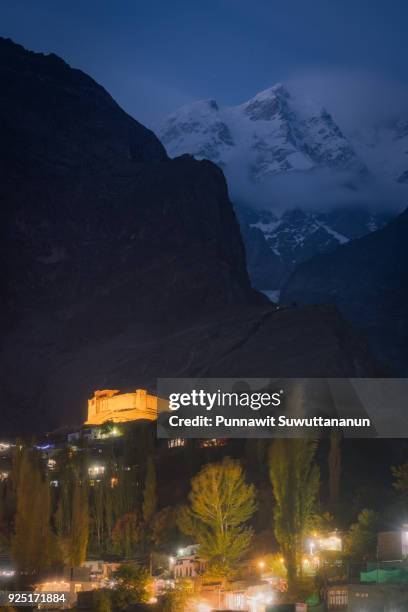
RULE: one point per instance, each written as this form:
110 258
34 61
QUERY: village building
393 545
370 597
188 563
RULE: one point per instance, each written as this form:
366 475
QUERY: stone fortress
111 405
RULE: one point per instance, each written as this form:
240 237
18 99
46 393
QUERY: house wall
368 598
189 567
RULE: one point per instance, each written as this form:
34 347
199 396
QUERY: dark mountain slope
368 280
119 264
50 366
57 119
92 206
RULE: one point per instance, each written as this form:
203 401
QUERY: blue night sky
154 56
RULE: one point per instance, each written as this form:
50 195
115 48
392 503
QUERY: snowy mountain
296 236
385 150
269 134
297 181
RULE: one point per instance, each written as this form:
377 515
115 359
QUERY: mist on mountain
299 178
358 101
321 190
348 132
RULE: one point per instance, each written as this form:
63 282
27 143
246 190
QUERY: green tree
126 535
275 564
102 601
295 483
334 466
322 523
70 475
148 509
33 544
221 504
400 474
109 510
361 540
149 493
7 511
177 599
109 429
164 531
134 585
97 514
79 534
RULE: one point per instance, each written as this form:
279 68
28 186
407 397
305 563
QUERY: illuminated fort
111 405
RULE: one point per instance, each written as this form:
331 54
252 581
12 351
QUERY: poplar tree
109 514
79 534
97 514
68 477
33 544
149 508
126 535
295 482
334 466
149 493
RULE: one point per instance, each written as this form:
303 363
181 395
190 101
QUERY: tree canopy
221 504
295 483
361 540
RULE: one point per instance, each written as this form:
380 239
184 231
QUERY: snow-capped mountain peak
272 133
198 129
299 183
267 104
